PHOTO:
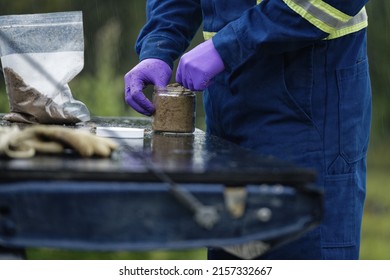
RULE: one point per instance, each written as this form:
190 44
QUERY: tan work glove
53 139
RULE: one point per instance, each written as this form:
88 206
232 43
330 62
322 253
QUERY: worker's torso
278 102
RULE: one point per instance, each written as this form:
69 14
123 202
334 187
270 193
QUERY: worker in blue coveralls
287 78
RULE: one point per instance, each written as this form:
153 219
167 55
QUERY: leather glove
199 66
150 71
52 139
6 135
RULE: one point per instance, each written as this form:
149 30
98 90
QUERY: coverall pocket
354 111
298 81
339 223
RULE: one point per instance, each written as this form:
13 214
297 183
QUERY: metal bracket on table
235 200
205 216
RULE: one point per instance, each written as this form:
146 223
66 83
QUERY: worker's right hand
150 71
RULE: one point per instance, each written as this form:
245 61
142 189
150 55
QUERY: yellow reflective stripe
348 30
328 21
208 35
309 17
324 17
258 1
339 15
316 15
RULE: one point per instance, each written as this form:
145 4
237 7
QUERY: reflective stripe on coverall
296 86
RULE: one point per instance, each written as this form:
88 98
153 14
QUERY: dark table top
162 191
193 158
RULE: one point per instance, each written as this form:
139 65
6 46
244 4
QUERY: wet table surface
185 158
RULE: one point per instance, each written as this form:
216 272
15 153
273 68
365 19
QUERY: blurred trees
129 15
379 55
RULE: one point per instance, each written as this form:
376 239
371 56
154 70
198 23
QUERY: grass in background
54 254
375 243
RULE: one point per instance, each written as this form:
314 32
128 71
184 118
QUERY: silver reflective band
327 18
324 17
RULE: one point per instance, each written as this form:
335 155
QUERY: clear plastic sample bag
40 54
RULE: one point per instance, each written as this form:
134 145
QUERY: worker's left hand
199 66
150 71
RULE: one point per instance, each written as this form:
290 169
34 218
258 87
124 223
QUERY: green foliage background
111 29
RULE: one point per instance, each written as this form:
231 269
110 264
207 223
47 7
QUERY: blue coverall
296 86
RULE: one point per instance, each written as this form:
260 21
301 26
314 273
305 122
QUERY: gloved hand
26 143
150 71
198 66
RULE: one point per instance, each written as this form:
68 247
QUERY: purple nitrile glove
198 66
150 71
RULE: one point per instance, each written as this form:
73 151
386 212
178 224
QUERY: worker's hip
283 106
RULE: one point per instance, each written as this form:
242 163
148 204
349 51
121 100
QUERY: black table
164 191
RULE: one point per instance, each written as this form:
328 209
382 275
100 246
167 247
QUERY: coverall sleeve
169 29
273 26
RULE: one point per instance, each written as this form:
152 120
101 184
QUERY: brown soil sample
175 109
28 105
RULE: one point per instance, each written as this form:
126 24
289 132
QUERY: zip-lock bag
40 54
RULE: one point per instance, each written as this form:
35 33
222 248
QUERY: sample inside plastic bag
40 54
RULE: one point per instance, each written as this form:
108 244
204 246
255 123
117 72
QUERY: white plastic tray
120 132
